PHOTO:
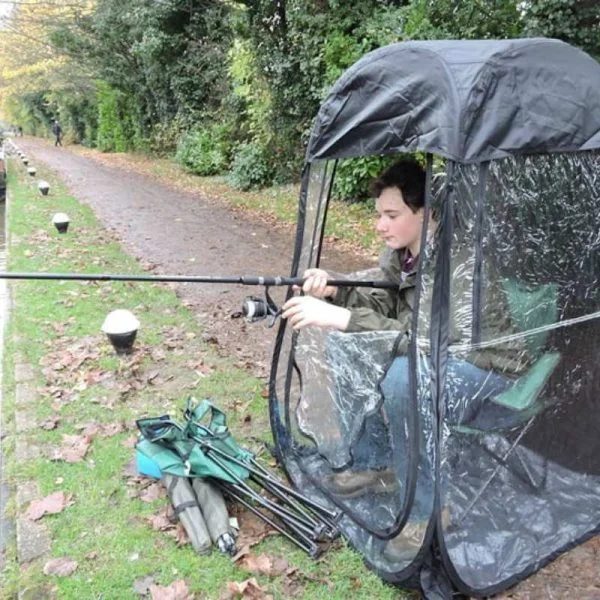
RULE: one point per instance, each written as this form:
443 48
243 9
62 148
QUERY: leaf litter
178 590
50 505
73 450
61 567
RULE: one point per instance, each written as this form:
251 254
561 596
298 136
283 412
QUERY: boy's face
397 224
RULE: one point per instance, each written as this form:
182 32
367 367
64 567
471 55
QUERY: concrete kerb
33 539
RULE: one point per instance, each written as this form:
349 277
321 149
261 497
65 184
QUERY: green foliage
457 19
205 151
354 176
169 59
249 87
260 68
111 130
577 23
340 51
33 113
251 168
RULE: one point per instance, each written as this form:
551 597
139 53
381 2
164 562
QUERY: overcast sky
5 8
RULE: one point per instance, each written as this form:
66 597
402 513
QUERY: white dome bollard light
25 160
44 187
61 222
32 171
121 327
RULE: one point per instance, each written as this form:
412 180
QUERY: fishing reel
256 309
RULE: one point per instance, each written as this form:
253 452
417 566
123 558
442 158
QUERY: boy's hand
306 311
315 284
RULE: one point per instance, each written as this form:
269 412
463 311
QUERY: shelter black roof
470 101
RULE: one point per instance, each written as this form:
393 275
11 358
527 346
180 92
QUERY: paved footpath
186 234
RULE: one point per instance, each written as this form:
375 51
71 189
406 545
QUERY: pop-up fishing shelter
479 499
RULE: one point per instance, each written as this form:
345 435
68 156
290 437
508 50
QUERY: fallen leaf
74 448
253 530
291 587
264 565
50 505
158 354
130 442
50 423
111 429
130 470
58 328
91 429
181 536
249 590
153 492
178 590
152 375
142 586
61 567
160 521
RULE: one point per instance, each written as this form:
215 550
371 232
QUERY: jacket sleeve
375 310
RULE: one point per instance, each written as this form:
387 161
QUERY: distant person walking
57 131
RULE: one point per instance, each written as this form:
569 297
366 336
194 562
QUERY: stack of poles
303 521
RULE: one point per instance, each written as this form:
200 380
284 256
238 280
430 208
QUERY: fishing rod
253 308
241 280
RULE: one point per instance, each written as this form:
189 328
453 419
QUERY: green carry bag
185 503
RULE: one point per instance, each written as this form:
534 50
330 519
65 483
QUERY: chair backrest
532 307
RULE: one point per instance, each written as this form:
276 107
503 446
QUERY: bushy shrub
354 176
204 151
251 168
110 133
163 138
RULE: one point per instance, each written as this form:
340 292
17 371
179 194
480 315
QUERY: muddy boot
186 507
214 509
350 484
405 546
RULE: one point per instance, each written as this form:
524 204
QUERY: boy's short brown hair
409 177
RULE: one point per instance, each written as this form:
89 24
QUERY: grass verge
82 387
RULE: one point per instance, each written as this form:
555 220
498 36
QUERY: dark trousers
468 388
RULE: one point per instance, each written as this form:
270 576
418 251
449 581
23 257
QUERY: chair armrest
524 392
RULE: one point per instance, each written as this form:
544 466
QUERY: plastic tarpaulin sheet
523 482
485 425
